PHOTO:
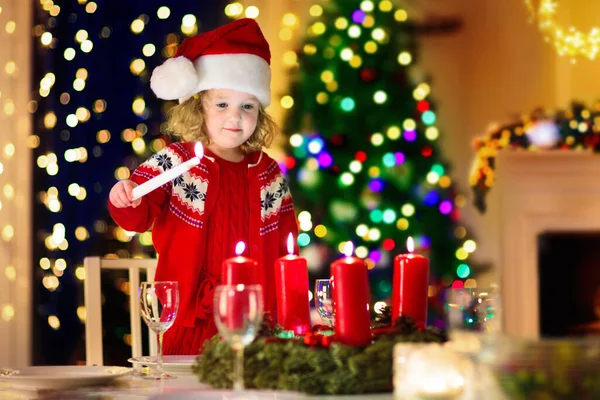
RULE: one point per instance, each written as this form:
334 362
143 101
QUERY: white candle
169 174
427 371
446 386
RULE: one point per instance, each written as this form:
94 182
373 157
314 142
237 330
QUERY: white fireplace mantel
539 192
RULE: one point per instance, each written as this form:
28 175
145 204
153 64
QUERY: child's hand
122 193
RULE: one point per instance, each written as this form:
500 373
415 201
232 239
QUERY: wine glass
324 301
159 302
473 315
238 311
474 320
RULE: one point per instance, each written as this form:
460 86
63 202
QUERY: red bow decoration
316 339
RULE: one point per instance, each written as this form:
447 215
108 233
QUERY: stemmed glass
238 311
324 301
474 320
159 302
473 315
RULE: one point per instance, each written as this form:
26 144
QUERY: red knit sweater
227 224
197 219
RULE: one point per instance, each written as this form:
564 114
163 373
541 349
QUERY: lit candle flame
290 244
239 248
410 244
348 249
199 150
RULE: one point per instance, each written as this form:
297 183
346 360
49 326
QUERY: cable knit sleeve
287 220
141 218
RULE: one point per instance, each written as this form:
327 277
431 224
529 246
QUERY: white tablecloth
182 388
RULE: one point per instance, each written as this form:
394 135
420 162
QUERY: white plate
55 377
175 364
230 395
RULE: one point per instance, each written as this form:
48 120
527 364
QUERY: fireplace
551 199
569 282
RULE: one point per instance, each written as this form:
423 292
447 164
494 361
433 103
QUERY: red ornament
455 215
426 151
290 162
423 106
361 156
310 339
458 284
337 140
389 244
368 74
326 340
313 339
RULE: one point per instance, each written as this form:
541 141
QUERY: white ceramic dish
173 364
59 377
230 395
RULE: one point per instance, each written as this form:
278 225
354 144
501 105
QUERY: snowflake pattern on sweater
272 196
191 187
188 188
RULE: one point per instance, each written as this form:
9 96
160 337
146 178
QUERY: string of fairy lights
571 42
78 121
312 150
8 150
574 129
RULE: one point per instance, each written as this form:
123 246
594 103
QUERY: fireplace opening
569 283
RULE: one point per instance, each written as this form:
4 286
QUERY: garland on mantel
577 129
571 42
314 363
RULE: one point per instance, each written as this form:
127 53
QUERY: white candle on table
169 174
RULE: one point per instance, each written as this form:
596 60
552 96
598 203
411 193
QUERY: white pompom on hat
234 56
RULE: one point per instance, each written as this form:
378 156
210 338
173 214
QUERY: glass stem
159 358
238 368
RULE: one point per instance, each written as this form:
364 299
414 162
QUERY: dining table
135 386
186 386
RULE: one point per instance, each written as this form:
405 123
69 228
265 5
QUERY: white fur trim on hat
174 79
244 72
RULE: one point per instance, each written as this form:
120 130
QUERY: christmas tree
364 160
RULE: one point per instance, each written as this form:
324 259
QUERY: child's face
230 117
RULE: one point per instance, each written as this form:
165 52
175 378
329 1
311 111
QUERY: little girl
237 193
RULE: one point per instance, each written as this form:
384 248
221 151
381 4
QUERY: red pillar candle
240 270
291 285
350 283
410 289
236 271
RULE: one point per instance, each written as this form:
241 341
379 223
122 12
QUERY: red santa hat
233 56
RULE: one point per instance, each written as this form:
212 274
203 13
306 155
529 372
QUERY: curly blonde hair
185 121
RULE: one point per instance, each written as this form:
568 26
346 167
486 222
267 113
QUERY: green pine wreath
314 363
